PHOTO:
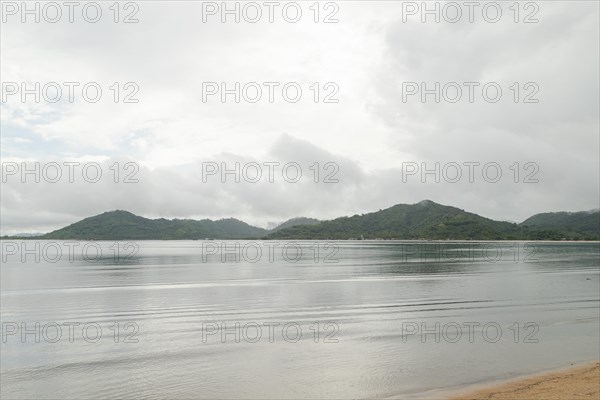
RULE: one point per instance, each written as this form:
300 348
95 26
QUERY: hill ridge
423 220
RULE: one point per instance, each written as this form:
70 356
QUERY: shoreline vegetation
425 220
576 382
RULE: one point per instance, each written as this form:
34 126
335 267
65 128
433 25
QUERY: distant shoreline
312 240
422 221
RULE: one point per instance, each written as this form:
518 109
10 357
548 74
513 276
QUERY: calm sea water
356 319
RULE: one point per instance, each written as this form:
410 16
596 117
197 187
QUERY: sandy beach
580 382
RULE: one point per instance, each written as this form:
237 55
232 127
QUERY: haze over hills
423 220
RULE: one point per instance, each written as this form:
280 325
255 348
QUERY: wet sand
580 382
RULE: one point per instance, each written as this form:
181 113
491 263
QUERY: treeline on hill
583 224
123 225
427 220
424 220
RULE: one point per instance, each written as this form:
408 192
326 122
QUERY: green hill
123 225
585 224
424 220
295 222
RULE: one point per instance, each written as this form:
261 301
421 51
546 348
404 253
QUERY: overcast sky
365 141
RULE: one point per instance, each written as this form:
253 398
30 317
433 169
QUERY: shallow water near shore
253 319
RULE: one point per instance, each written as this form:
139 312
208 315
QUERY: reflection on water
193 319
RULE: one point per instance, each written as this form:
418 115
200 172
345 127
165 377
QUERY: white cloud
369 133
